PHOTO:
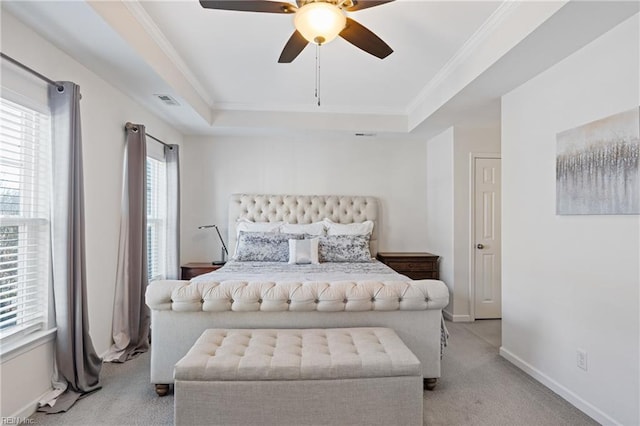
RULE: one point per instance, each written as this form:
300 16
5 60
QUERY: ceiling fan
315 21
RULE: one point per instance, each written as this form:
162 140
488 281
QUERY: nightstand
190 270
417 266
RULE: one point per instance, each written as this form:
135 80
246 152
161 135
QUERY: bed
298 262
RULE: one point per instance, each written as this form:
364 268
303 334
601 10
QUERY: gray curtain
77 364
131 318
171 157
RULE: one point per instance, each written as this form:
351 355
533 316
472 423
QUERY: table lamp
224 248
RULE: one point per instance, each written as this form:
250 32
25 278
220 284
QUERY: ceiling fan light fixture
319 22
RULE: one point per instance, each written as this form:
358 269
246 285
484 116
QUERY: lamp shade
319 22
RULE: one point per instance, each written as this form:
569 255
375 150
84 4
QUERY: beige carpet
478 388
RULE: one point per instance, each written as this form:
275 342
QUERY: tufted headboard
303 209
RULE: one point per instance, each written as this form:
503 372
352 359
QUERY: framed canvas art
597 167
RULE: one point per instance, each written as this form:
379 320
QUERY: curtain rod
131 126
32 71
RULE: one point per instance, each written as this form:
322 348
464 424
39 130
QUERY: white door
488 300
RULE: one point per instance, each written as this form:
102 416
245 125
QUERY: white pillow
361 228
249 226
316 228
304 251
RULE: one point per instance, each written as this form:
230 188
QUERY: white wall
440 190
389 167
571 281
104 111
448 214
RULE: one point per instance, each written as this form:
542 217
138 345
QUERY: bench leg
430 384
162 389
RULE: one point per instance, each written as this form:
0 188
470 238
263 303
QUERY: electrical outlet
581 359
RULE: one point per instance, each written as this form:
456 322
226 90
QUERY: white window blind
156 218
25 185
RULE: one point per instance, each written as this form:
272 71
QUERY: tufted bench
297 377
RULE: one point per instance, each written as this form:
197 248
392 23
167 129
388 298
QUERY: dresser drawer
403 265
422 275
417 266
191 270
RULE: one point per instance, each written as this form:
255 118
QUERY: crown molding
141 15
495 20
310 107
310 121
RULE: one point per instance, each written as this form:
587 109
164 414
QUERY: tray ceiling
221 66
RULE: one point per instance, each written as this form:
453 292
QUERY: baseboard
565 393
26 410
456 318
104 354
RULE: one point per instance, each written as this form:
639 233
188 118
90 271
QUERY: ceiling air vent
168 100
366 134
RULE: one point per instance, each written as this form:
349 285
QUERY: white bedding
282 271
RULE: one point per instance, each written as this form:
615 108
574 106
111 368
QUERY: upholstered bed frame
181 311
303 209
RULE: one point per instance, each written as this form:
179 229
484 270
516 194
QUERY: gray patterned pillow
344 248
264 246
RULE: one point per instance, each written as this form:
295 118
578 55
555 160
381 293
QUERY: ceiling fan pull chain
318 73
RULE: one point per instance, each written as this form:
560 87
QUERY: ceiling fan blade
361 37
365 4
293 48
249 5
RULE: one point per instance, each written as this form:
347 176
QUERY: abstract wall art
597 167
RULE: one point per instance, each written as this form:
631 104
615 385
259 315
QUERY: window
25 179
156 218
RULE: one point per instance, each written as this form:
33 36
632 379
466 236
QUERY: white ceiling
234 55
452 59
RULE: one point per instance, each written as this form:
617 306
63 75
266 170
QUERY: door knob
480 246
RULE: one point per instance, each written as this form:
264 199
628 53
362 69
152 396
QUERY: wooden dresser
190 270
415 265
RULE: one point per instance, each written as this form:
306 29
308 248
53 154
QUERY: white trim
359 110
456 318
154 32
27 409
104 354
155 150
24 100
30 342
473 156
575 400
487 28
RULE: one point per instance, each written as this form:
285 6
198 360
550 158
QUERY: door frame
472 225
